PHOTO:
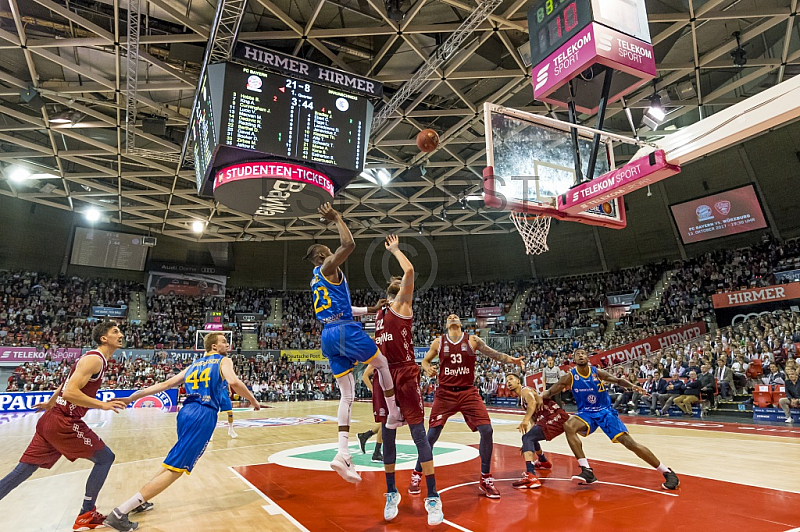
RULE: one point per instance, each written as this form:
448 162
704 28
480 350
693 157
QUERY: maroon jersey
67 409
393 336
551 417
456 362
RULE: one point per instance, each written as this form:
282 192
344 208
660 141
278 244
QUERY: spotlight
655 113
384 176
421 228
92 214
463 202
393 10
198 226
61 118
648 191
739 55
18 174
31 97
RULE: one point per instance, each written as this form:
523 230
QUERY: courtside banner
756 296
302 355
25 401
632 351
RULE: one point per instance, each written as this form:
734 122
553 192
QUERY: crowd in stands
557 316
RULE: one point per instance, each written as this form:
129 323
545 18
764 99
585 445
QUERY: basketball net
534 229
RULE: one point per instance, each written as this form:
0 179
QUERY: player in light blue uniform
207 380
344 342
588 386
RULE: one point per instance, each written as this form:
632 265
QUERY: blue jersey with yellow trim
204 382
589 392
331 300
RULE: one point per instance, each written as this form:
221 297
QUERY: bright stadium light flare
92 214
19 174
198 226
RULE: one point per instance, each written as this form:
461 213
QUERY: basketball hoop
534 229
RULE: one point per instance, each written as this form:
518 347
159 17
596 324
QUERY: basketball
427 140
607 208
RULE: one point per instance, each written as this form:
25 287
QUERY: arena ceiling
75 54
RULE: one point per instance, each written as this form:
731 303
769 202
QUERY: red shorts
58 436
407 391
553 427
466 400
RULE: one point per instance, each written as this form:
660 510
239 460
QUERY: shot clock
568 37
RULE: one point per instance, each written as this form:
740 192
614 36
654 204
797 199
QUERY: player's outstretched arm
50 403
346 246
172 382
366 377
562 384
479 345
86 367
433 350
405 297
229 374
360 311
606 376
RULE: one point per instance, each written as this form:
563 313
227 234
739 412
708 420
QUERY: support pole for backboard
576 148
601 116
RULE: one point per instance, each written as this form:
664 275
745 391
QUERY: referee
551 375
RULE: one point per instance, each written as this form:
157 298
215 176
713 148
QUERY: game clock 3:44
552 23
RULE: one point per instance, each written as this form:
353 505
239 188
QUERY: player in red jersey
550 419
394 337
61 431
457 393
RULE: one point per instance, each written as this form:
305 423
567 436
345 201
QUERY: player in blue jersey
207 381
344 342
595 410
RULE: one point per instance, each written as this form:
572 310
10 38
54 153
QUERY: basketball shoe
539 464
362 440
527 482
89 520
586 476
232 433
377 456
144 507
671 481
416 480
345 468
392 501
487 487
433 505
120 522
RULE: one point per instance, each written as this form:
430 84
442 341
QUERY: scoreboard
298 119
268 106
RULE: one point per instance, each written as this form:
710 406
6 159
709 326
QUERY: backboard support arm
601 115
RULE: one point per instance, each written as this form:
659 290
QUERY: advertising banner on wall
186 280
109 312
162 355
25 401
733 307
14 356
302 355
634 350
488 312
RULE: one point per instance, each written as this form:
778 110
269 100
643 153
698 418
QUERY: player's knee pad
389 447
485 431
347 388
104 456
421 441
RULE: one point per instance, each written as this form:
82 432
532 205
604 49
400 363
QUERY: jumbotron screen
723 214
275 114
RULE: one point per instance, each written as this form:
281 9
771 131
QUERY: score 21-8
306 100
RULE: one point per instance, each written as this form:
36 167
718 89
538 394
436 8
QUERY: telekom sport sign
634 350
21 355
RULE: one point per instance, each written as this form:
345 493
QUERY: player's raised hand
377 306
328 212
392 243
515 360
114 404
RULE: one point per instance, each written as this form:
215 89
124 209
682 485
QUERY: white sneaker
395 422
788 420
232 433
433 505
345 468
390 511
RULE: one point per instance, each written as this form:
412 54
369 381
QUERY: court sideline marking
565 479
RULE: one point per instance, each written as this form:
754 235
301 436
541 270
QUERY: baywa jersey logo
318 457
159 400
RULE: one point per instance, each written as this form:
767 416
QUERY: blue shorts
345 345
196 424
607 420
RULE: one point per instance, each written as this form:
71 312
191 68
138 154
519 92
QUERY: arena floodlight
198 226
18 174
92 214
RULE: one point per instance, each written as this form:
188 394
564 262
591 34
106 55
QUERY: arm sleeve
359 311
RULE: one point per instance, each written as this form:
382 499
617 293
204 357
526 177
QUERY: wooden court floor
733 478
